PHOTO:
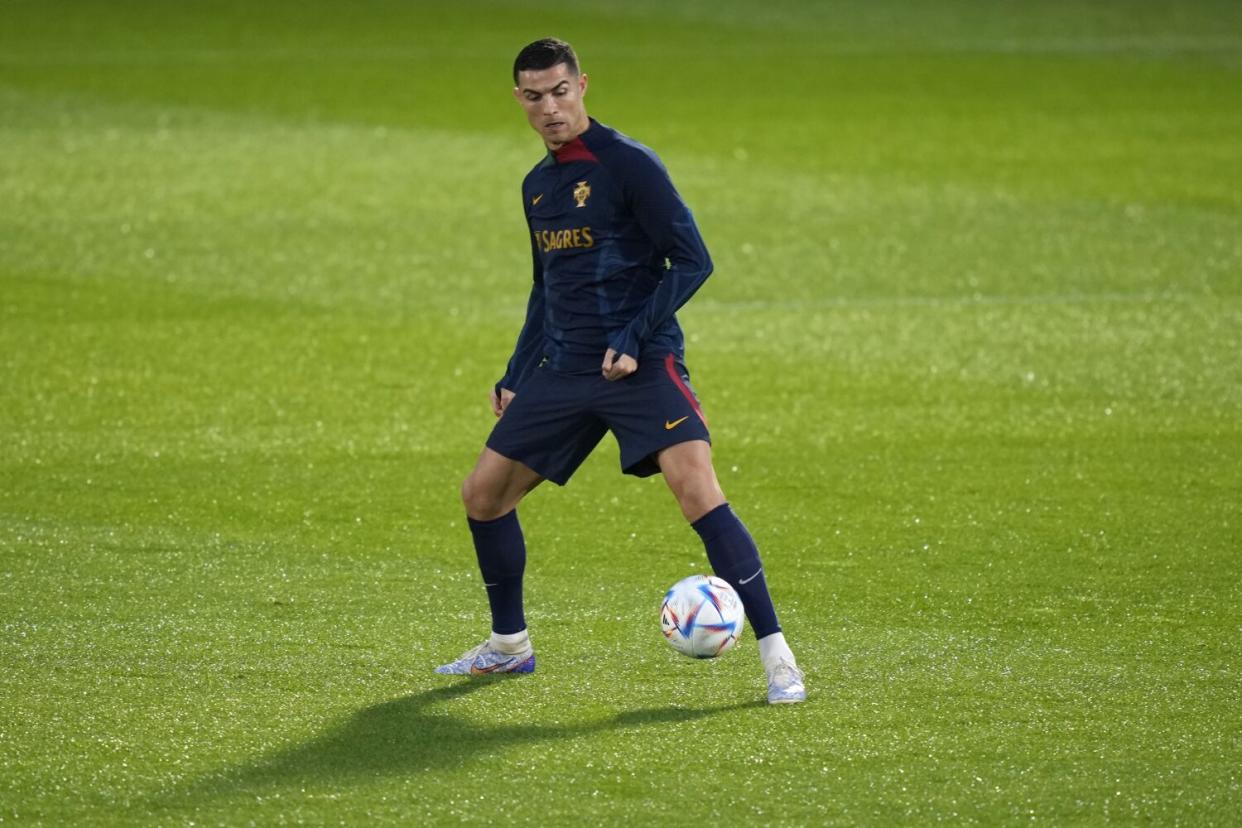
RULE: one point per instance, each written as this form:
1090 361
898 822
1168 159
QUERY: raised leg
688 470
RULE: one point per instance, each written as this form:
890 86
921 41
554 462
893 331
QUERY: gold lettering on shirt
576 237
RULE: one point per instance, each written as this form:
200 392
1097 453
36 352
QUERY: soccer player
616 253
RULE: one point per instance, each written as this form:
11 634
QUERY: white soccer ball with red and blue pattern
701 616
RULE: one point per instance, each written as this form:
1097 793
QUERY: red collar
575 150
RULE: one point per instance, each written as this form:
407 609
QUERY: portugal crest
581 193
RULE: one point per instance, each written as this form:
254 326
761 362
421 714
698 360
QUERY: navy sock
734 557
501 551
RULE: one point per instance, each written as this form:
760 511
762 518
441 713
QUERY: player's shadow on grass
400 738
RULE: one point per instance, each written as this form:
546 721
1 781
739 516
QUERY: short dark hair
544 54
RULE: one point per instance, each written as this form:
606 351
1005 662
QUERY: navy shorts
556 419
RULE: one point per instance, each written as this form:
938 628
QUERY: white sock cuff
510 642
773 650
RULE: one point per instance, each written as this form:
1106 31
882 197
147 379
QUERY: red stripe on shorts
681 386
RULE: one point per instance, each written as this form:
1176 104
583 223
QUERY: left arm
667 221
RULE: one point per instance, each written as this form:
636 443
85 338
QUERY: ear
582 84
517 94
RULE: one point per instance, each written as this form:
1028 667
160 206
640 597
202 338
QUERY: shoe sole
787 697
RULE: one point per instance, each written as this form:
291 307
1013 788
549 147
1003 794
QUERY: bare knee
496 486
692 479
698 496
483 501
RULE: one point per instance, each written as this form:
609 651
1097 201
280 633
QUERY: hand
618 366
500 401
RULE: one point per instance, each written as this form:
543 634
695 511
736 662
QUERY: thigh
650 410
549 425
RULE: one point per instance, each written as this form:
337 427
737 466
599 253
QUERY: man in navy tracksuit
616 253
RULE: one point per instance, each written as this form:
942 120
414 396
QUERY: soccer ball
701 616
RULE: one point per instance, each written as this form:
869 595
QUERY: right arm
529 348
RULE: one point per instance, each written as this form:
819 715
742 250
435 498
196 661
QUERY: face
553 102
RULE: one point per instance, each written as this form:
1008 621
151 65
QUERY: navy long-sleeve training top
616 253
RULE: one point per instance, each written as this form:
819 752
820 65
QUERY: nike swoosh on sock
751 578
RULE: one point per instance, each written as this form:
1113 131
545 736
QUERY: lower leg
501 552
491 494
734 557
689 472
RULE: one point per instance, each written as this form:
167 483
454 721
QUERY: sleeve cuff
626 344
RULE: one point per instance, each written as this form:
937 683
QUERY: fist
618 366
500 401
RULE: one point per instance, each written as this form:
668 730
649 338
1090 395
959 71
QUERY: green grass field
972 356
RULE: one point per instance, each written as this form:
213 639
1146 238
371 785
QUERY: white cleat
785 684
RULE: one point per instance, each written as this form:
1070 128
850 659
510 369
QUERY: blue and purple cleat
484 660
785 684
